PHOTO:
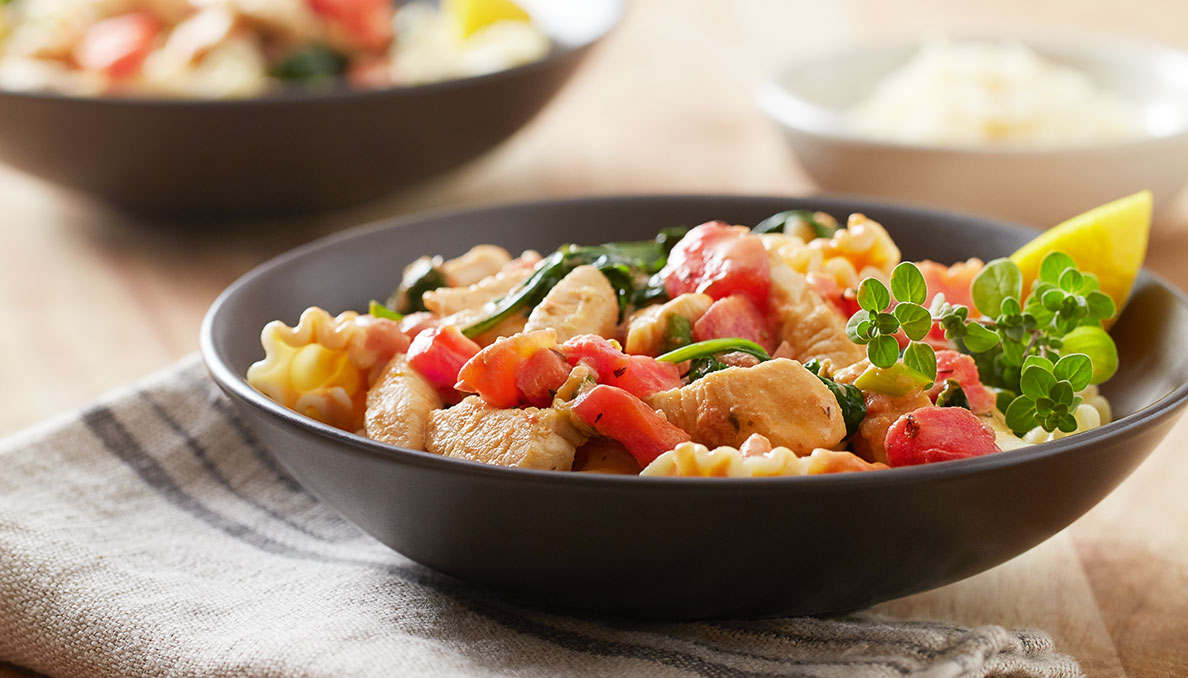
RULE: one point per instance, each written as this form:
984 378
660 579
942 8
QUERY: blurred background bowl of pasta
1028 129
254 107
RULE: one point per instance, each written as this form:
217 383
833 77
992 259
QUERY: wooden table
93 298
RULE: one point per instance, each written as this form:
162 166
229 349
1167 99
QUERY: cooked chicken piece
881 412
447 301
523 438
582 303
602 455
778 399
398 406
194 37
290 20
646 329
810 325
481 261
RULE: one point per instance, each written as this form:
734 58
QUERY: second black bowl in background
287 153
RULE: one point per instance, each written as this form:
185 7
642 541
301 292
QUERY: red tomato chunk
522 369
719 260
541 376
955 365
369 22
932 434
618 415
438 353
639 375
734 316
952 281
117 46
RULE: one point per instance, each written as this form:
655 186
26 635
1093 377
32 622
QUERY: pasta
863 249
323 367
694 460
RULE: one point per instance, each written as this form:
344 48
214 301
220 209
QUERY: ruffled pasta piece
863 249
323 367
1097 401
698 461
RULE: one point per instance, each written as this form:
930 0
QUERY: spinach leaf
311 64
849 398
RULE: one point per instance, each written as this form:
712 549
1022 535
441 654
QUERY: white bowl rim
797 113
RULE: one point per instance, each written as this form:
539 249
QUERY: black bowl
686 548
285 153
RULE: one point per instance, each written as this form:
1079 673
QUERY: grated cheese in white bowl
992 94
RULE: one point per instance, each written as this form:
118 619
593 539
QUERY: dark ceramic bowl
685 548
290 152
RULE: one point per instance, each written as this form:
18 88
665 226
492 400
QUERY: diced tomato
541 376
438 353
735 316
523 368
953 281
932 434
369 22
117 46
640 375
618 415
719 260
833 461
826 287
954 365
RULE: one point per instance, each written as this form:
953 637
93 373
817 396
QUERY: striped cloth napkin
152 535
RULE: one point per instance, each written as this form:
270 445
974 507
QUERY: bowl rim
295 95
790 110
237 384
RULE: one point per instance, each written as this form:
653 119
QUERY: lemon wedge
1109 241
472 15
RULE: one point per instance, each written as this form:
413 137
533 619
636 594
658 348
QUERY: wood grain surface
93 298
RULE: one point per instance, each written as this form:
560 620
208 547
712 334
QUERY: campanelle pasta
694 460
324 366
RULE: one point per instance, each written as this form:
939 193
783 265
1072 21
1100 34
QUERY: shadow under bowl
286 153
689 548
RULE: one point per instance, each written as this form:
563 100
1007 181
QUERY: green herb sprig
1049 397
877 322
1036 351
1064 304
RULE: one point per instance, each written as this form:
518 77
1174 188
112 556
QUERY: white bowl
1040 186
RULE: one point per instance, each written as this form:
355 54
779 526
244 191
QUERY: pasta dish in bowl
812 507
